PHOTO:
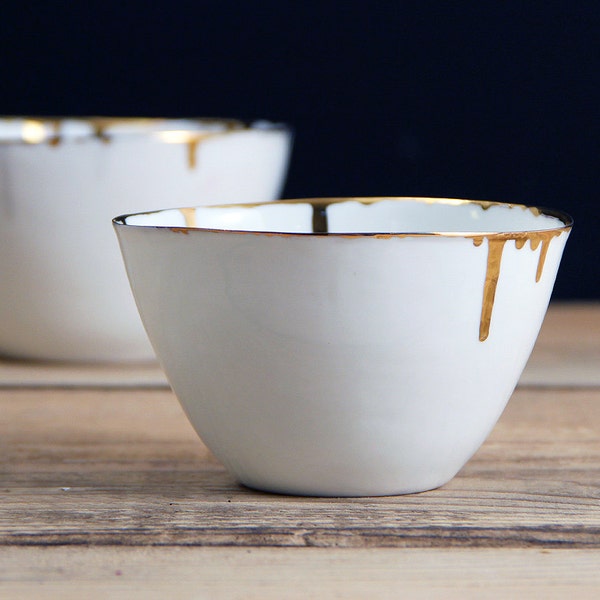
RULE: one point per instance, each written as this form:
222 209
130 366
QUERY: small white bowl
64 293
348 347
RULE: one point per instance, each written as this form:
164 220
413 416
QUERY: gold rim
35 130
320 205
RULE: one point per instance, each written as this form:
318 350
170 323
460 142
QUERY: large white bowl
344 347
64 294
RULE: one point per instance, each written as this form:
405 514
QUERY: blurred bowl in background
64 293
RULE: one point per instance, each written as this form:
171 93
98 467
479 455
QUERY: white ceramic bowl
64 293
344 347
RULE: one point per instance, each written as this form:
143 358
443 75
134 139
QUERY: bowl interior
402 216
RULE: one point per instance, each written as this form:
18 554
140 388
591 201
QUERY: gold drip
543 238
37 130
520 243
193 141
99 126
54 139
192 145
189 214
319 219
494 260
495 246
542 259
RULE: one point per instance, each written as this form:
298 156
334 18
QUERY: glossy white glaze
64 294
341 365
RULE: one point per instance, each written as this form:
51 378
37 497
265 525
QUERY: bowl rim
47 129
566 221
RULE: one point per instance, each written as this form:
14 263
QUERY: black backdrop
487 100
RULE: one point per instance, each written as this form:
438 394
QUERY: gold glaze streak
543 238
101 130
494 260
193 152
99 126
54 139
194 140
192 147
319 218
189 214
191 140
496 244
520 243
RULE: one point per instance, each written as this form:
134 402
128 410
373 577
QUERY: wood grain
41 375
567 352
265 573
123 467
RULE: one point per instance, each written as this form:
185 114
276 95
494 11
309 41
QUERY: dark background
485 100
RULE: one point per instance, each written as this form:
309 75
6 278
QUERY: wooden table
105 491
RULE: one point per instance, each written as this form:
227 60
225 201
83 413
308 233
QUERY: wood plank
265 573
125 468
567 354
18 373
